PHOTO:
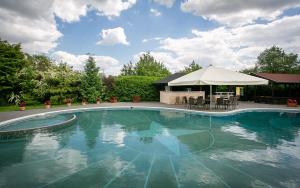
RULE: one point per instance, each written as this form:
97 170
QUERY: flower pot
113 99
22 108
69 104
97 102
83 103
47 106
136 99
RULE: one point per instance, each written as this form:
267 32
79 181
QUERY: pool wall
12 134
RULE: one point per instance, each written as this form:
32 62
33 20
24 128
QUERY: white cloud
167 3
111 8
69 11
33 23
155 12
113 36
151 39
237 13
109 65
232 48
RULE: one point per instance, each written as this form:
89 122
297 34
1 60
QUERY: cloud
33 23
112 37
167 3
109 65
155 12
237 13
111 8
232 48
151 39
69 11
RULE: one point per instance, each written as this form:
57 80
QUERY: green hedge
128 86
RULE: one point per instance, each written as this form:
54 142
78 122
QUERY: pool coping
226 113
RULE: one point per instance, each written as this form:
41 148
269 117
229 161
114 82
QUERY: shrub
128 86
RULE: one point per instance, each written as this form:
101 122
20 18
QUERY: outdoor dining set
200 103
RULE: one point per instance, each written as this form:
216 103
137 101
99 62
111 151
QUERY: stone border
5 135
226 113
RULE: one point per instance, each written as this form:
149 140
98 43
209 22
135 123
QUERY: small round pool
155 148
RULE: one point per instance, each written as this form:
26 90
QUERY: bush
30 100
128 86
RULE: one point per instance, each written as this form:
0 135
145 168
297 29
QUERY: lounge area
198 90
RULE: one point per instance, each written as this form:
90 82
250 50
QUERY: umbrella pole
210 96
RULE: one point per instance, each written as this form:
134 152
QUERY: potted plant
83 102
68 101
136 98
47 104
22 105
98 100
113 99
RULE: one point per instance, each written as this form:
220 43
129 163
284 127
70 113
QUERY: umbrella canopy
217 76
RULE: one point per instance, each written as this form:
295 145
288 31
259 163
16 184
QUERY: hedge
128 86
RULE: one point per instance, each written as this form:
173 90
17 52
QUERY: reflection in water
239 131
148 148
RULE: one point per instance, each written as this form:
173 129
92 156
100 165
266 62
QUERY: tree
91 85
275 60
128 69
148 66
12 60
249 70
192 67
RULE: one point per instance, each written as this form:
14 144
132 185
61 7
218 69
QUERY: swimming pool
158 148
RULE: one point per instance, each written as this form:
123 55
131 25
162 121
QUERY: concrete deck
242 105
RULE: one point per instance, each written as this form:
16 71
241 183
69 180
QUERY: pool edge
232 112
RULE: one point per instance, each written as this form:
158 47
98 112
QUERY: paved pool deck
242 105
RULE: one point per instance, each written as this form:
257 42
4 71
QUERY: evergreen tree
91 83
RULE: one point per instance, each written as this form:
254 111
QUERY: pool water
158 148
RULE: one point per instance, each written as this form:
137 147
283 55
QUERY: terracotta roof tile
280 78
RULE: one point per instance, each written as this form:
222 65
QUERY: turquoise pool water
158 148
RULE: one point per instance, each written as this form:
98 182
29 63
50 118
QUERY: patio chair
191 102
231 102
200 102
236 102
219 102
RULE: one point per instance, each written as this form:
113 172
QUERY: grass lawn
39 106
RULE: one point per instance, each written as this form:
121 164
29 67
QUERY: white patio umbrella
216 76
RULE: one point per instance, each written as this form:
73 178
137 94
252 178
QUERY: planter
292 103
47 106
22 108
69 104
83 103
136 99
98 102
113 99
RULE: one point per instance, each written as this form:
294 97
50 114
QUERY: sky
227 33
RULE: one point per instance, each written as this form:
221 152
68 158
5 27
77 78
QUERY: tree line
37 78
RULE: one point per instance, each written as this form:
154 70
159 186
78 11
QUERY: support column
210 96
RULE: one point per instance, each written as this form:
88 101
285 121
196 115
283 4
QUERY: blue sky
138 22
220 33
